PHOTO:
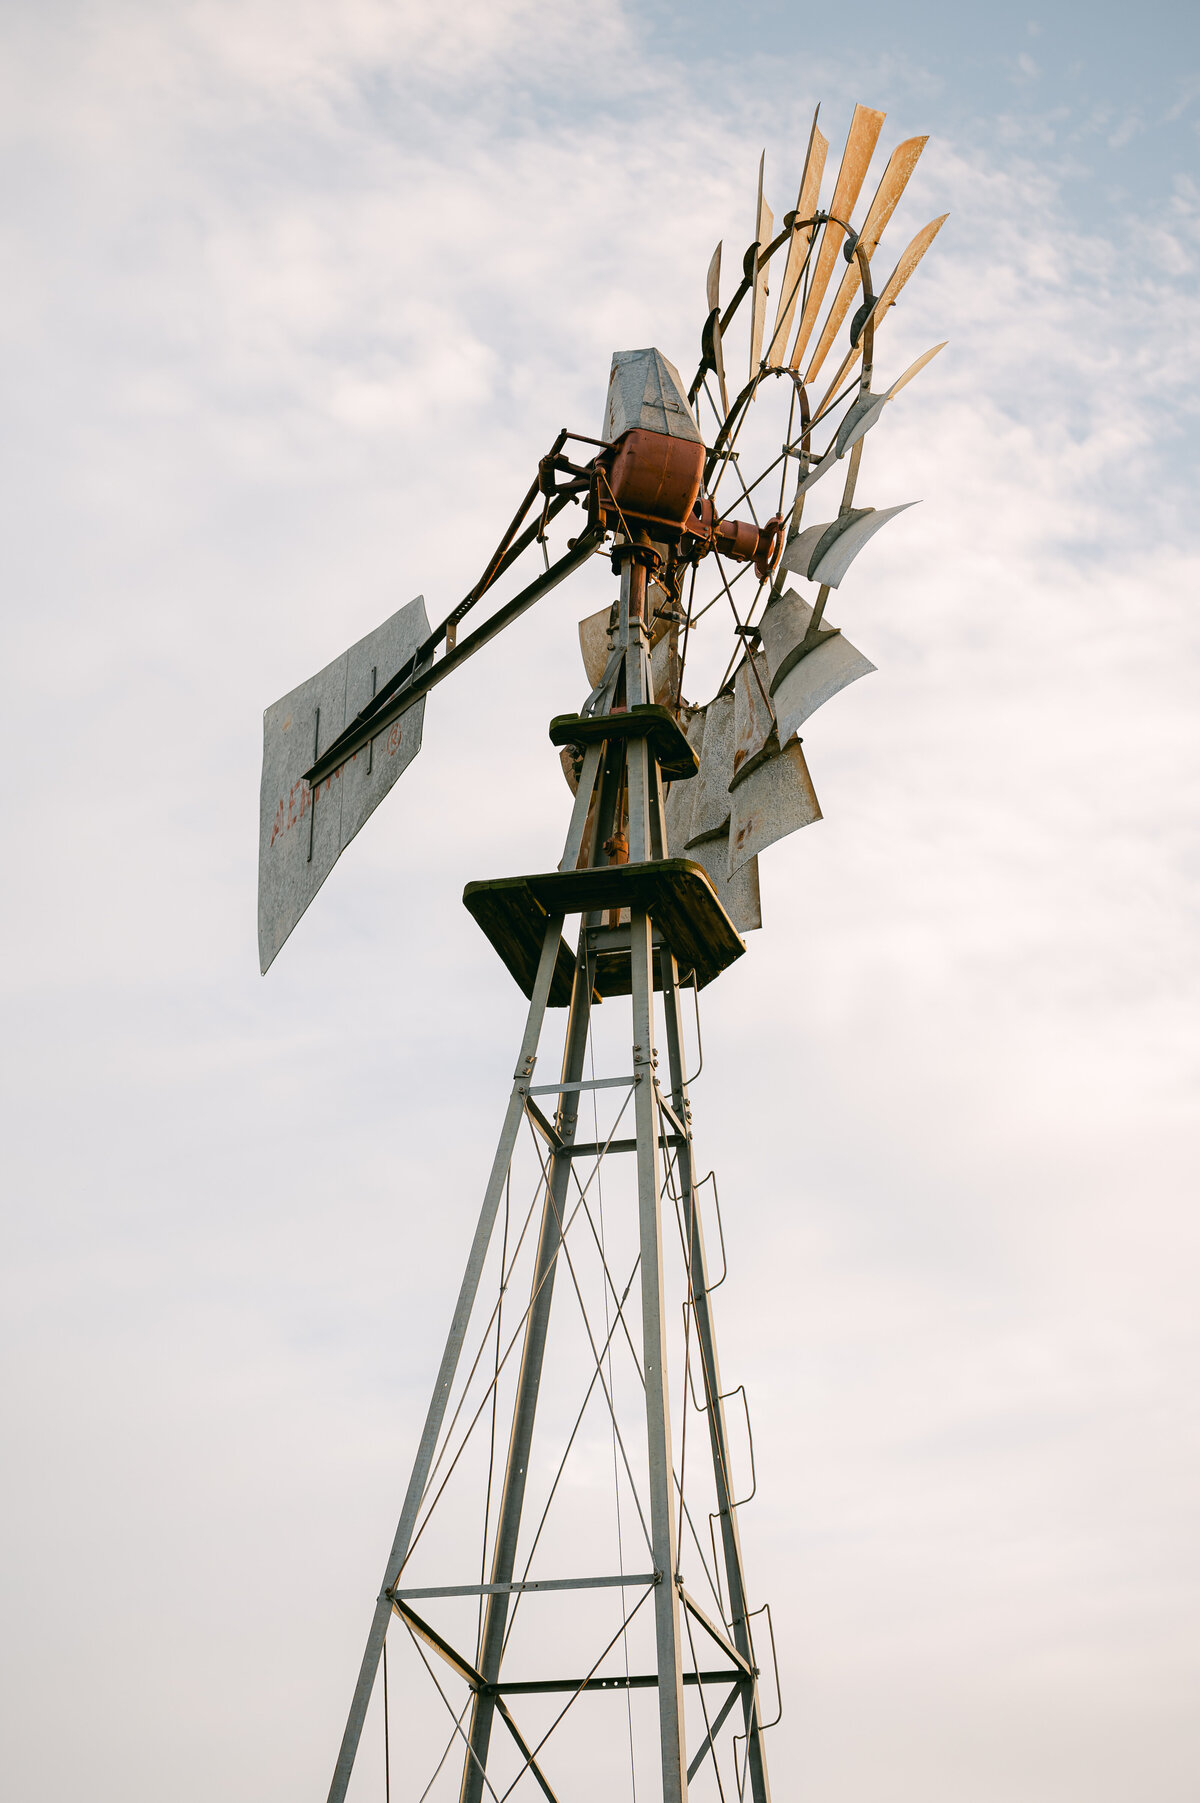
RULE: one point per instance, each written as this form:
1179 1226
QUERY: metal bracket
722 1639
548 1132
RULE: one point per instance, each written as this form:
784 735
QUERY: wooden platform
675 892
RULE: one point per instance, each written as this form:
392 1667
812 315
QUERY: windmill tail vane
532 1597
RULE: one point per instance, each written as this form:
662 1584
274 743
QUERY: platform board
668 743
675 892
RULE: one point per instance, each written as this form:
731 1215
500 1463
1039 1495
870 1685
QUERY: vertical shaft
711 1371
638 688
642 777
512 1495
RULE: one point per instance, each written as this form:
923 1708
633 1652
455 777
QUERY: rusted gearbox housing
651 481
651 478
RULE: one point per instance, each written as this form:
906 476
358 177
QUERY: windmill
567 1577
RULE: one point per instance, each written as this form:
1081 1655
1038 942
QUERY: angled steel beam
718 1634
760 1788
706 1744
466 1670
370 724
512 1495
514 1115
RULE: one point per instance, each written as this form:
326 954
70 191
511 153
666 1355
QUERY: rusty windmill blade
911 256
861 140
802 236
764 222
901 164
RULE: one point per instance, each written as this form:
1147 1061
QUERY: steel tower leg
654 1351
514 1115
645 828
512 1495
706 1339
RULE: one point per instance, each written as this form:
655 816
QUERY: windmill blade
901 164
681 795
915 368
818 470
594 646
712 289
754 736
861 140
710 806
866 408
764 222
911 256
802 681
801 238
665 674
775 800
739 894
860 417
712 282
824 552
303 832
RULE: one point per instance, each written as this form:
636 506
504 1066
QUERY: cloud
299 297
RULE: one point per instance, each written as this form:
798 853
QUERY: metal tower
547 1571
671 933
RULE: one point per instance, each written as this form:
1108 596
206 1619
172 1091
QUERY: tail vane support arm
412 682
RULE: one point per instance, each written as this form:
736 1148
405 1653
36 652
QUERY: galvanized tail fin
302 833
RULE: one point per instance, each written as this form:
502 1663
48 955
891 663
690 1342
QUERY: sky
295 297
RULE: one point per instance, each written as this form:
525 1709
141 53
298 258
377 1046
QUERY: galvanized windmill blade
893 182
764 221
674 802
799 244
712 289
861 140
811 660
909 259
824 552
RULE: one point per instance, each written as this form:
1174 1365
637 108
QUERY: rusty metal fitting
770 544
736 538
740 540
616 849
645 555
